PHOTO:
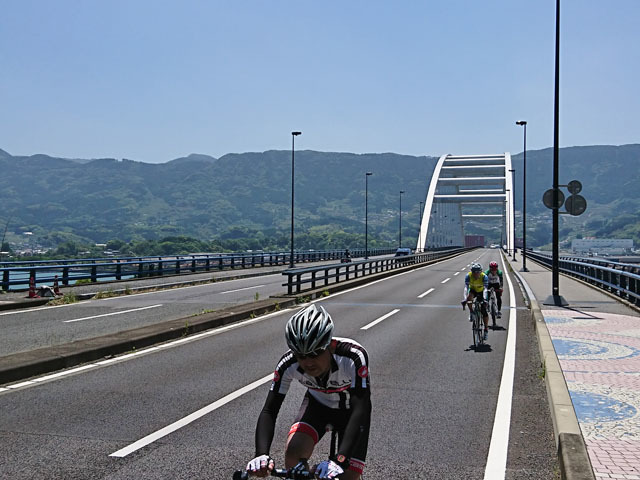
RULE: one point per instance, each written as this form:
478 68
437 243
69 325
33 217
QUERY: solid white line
114 313
384 317
143 442
64 373
426 293
445 280
35 309
240 289
20 385
497 458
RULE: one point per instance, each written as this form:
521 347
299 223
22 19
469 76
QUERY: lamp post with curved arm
400 231
293 144
366 214
523 123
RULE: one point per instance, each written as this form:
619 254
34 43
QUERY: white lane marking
384 317
240 289
35 309
113 313
21 384
426 293
124 358
462 269
163 432
378 281
455 274
445 280
497 458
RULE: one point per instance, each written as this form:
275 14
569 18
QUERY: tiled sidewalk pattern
600 357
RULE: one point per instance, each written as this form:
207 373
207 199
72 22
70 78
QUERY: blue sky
157 80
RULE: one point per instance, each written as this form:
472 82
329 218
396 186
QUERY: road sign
575 204
547 199
574 187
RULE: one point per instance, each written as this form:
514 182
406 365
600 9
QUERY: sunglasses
315 354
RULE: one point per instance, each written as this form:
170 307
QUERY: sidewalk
591 350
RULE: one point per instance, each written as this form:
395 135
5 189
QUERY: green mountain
249 195
610 177
237 195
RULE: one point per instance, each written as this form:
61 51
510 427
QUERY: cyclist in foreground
494 274
476 283
336 374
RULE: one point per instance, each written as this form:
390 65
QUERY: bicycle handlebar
276 472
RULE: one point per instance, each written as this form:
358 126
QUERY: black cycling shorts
481 295
314 419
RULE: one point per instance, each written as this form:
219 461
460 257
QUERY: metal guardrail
325 275
621 279
17 274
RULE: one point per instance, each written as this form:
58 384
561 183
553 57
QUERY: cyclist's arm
358 421
267 422
466 287
485 285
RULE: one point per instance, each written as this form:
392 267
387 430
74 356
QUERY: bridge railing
621 279
16 275
303 279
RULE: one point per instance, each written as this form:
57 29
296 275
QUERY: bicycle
493 305
286 472
477 324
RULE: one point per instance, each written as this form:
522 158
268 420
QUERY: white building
610 246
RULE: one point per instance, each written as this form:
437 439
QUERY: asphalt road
434 397
24 330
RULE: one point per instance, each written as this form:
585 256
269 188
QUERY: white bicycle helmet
309 331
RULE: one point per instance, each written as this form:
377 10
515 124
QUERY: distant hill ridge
236 194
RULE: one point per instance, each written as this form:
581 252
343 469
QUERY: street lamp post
555 298
507 224
524 268
293 145
420 246
400 219
366 214
513 186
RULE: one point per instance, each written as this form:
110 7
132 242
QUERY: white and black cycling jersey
494 278
349 370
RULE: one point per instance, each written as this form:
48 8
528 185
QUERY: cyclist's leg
304 433
359 455
470 298
485 319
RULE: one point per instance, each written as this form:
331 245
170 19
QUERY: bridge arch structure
465 190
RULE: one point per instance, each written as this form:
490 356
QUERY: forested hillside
247 197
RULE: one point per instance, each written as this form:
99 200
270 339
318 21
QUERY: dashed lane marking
113 313
384 317
426 293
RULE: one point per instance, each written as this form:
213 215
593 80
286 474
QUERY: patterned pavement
600 357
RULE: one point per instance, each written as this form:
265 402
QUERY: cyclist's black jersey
347 388
349 370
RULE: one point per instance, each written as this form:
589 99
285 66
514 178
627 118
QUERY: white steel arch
467 187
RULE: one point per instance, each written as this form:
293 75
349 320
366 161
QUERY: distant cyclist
476 283
496 282
336 374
